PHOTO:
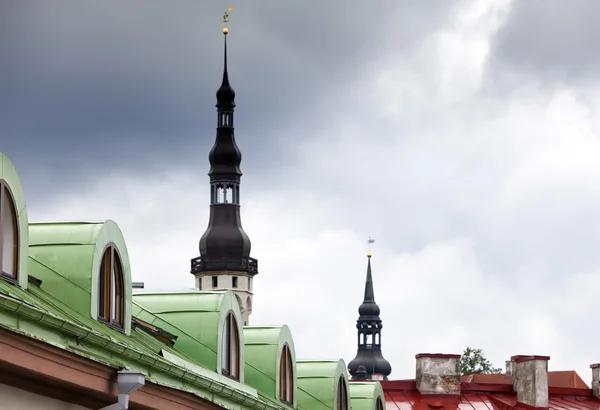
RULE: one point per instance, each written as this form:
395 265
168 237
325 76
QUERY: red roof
566 378
567 391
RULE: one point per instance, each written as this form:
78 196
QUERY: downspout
128 382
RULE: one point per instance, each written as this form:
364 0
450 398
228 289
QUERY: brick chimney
438 373
530 380
596 379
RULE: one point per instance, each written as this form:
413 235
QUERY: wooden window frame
112 286
231 336
5 190
286 376
342 395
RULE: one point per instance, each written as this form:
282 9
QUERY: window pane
234 347
102 294
224 345
9 232
118 290
112 293
289 376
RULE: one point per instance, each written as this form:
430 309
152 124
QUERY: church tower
369 363
224 261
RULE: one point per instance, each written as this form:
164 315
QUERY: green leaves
472 361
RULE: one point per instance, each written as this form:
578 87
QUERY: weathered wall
16 399
438 373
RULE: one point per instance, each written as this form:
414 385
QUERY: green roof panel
318 383
197 318
67 256
364 395
263 348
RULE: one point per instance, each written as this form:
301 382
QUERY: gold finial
225 30
369 242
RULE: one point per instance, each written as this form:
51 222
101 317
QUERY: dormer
271 362
323 385
85 265
367 396
14 234
208 326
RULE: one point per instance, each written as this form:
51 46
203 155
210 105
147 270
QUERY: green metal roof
318 383
263 347
62 311
67 257
196 317
363 395
9 174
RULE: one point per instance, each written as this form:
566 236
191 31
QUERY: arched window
286 376
230 353
379 405
9 233
342 395
111 304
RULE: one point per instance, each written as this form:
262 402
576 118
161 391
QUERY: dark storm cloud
549 39
110 84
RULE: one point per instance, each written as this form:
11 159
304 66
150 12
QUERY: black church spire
225 246
369 363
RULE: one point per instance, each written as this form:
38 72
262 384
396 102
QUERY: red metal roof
566 378
567 391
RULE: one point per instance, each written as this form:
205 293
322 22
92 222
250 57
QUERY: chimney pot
530 379
596 379
438 373
509 367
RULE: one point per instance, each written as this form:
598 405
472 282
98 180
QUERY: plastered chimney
438 373
596 379
509 367
530 379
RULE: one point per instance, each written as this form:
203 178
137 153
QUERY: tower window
9 233
215 281
342 395
286 376
379 405
225 194
112 288
230 353
234 282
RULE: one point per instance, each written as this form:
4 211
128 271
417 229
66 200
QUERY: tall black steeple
369 363
225 247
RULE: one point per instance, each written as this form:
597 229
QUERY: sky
463 136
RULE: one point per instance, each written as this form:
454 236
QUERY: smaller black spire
369 363
369 307
225 94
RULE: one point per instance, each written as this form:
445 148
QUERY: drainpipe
127 382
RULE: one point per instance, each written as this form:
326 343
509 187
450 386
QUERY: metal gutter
50 320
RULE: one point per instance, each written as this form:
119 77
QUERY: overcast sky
463 136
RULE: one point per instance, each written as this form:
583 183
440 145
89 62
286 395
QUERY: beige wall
243 291
16 399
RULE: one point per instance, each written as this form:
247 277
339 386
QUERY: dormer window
111 307
230 353
379 405
286 376
342 395
9 233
